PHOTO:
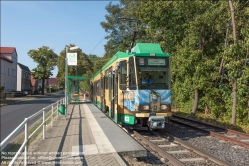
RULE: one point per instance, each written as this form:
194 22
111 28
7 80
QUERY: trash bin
62 109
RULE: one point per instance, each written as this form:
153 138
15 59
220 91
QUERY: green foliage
1 87
84 85
46 60
84 64
193 32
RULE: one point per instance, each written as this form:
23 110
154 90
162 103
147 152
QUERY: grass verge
217 122
7 102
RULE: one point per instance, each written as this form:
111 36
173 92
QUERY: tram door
102 93
115 94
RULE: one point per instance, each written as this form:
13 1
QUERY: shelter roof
76 78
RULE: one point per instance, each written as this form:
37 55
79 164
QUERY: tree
119 35
203 69
233 120
46 59
84 64
236 57
1 87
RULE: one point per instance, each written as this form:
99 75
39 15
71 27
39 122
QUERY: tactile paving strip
102 160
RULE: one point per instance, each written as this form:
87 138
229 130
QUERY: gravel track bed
150 160
223 150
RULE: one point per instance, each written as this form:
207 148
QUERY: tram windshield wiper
154 92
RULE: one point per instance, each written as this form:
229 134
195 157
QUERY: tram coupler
156 122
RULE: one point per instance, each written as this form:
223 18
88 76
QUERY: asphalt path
13 115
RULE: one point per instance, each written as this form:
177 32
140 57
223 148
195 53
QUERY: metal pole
57 109
26 140
52 117
77 82
66 82
77 85
44 124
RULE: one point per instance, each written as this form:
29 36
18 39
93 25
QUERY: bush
1 87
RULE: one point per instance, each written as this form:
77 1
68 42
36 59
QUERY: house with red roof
36 84
8 63
52 81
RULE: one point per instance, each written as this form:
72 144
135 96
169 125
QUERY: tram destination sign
159 62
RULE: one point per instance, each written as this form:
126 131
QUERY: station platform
86 137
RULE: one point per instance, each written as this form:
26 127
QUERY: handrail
27 137
6 140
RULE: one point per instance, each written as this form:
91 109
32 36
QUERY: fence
28 137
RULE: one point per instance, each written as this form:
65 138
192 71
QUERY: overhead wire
97 45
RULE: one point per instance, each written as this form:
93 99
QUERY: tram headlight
144 107
164 107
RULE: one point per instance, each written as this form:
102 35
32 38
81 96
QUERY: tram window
102 85
110 77
95 88
132 76
98 87
110 83
106 79
123 73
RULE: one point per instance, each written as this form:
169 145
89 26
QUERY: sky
28 25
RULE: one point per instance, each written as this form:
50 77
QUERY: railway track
176 151
235 137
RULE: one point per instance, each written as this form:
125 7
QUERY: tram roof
141 49
147 48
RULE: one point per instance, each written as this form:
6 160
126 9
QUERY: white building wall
9 72
23 79
19 78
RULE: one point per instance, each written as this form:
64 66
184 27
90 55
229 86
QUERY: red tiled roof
7 50
5 58
52 81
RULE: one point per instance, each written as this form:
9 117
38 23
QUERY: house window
8 71
4 70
